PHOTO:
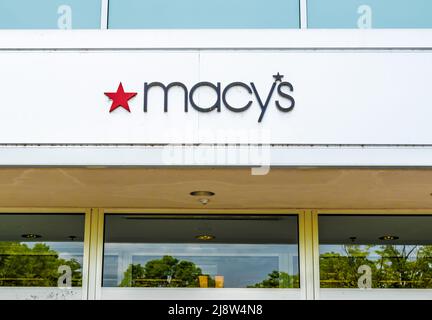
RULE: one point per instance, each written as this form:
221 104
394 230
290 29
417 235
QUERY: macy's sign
284 102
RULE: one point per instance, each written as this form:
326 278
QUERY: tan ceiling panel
234 188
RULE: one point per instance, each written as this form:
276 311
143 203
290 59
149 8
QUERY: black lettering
216 88
147 87
231 85
265 105
285 95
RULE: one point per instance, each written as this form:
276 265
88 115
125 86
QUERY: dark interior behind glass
41 250
380 251
201 251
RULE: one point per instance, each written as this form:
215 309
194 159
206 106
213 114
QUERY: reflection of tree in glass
171 272
278 279
165 272
36 266
393 266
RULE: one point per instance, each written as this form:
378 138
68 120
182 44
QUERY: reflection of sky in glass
240 264
66 250
371 249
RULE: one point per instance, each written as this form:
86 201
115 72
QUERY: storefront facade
239 158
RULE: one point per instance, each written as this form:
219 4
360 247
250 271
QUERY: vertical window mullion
104 14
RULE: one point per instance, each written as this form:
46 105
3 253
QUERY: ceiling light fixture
31 236
202 193
203 201
388 238
205 237
204 196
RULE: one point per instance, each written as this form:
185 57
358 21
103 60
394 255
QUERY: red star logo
120 98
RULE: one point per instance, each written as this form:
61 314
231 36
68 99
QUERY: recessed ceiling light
31 236
205 237
203 201
202 193
388 238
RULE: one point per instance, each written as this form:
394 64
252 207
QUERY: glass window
375 251
201 251
369 14
41 250
50 14
153 14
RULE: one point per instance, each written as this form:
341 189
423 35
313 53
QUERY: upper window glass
154 14
50 14
366 14
201 251
41 250
375 251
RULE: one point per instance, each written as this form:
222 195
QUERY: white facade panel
57 97
340 97
361 97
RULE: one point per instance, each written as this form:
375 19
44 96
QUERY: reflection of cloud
372 250
65 250
240 264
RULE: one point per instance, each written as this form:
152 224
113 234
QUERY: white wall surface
342 96
352 88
